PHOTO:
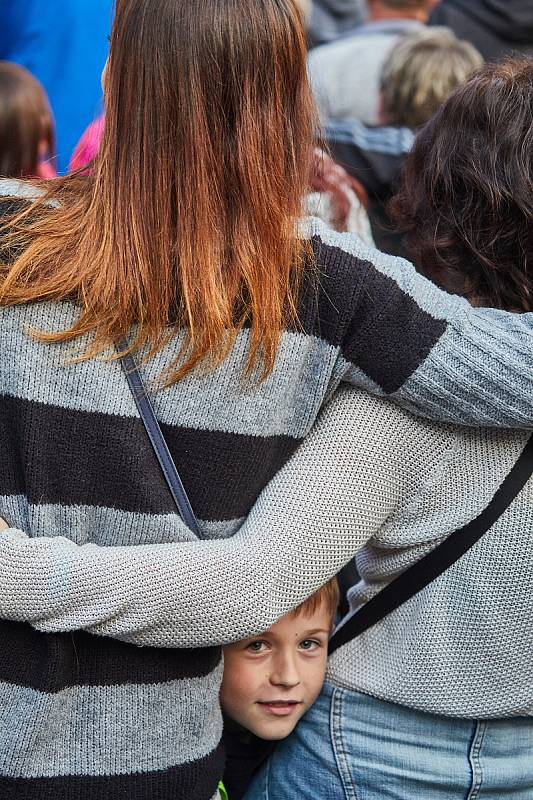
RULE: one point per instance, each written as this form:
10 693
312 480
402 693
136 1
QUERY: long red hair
189 219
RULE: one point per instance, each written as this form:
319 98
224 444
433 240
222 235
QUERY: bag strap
435 563
157 440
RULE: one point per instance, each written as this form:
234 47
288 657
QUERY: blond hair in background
422 71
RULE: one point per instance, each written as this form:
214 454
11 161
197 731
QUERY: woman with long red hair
187 241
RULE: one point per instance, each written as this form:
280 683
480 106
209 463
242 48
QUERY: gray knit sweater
371 479
97 717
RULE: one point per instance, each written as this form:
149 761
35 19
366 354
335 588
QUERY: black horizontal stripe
58 455
389 336
329 292
224 473
379 327
53 662
196 780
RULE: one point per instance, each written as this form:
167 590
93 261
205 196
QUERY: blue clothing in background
64 44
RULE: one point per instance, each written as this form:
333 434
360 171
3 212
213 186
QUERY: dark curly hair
465 202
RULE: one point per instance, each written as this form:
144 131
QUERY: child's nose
285 672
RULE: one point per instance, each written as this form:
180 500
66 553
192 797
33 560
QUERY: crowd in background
379 69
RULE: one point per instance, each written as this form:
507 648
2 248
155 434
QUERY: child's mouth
280 708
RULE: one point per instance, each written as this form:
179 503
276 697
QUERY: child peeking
269 683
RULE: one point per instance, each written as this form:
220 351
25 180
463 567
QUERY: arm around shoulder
335 493
432 352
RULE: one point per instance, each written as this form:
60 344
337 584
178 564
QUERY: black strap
166 462
435 563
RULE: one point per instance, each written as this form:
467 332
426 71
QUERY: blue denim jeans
351 746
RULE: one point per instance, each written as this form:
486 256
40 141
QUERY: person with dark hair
496 27
27 140
186 247
466 198
422 70
345 74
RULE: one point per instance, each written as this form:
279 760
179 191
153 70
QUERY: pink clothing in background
46 170
88 146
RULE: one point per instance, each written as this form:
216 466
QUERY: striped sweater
96 717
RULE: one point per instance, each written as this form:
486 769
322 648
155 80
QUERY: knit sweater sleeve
362 458
429 351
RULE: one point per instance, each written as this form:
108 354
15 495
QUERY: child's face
271 680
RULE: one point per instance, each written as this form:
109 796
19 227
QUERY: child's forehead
301 624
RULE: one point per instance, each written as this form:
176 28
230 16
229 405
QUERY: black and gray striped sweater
87 717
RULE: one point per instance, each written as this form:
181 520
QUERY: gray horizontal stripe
107 527
422 399
112 730
280 405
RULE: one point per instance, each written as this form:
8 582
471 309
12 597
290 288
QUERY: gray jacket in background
333 18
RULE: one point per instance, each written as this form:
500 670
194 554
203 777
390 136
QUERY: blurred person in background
337 198
305 10
496 27
64 44
330 19
346 74
421 72
27 141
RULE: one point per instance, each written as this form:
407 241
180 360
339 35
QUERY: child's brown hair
328 594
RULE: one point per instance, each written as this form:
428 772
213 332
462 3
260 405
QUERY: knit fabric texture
463 646
88 716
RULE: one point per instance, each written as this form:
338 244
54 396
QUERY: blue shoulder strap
166 462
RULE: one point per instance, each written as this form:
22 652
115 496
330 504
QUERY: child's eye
309 644
257 647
